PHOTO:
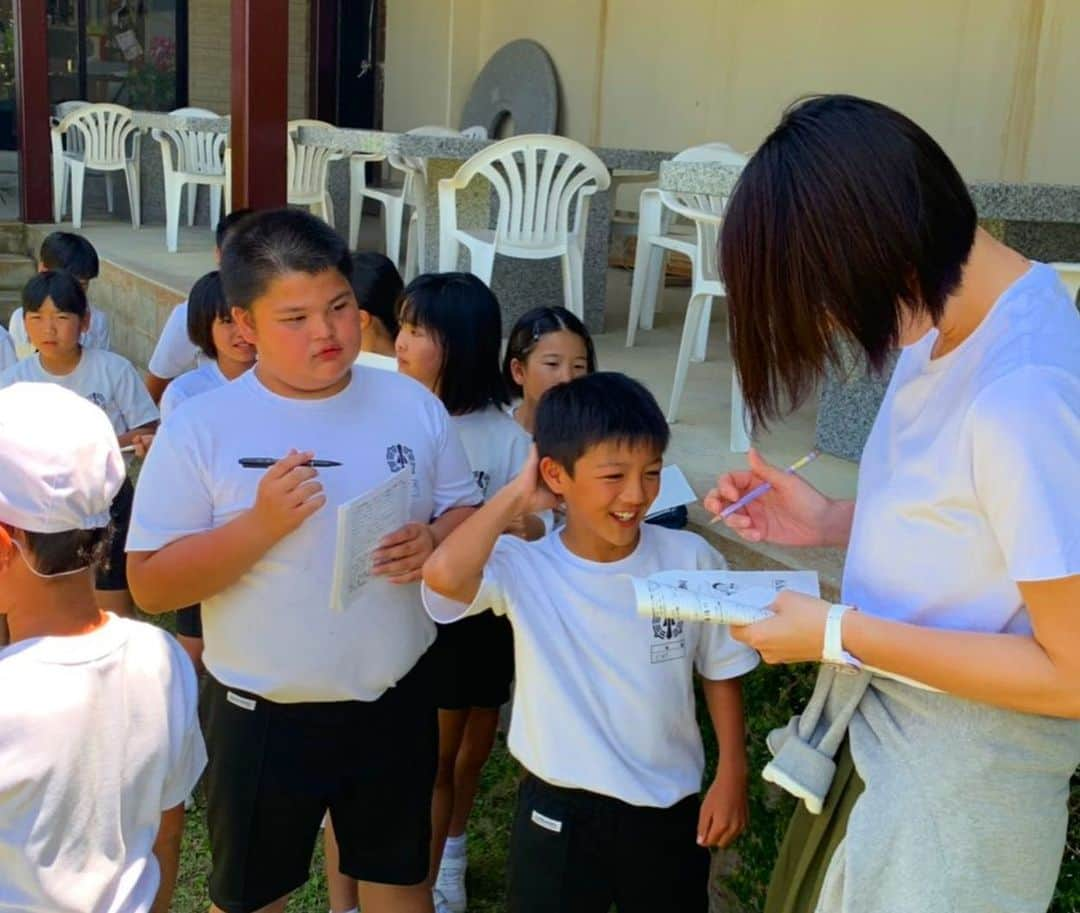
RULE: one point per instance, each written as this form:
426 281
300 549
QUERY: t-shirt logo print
97 399
483 480
400 456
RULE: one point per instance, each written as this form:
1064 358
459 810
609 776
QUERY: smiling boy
307 709
604 718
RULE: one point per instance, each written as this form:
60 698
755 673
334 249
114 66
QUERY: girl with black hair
547 346
949 755
451 331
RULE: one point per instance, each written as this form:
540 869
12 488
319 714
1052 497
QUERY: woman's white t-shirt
970 479
95 337
108 380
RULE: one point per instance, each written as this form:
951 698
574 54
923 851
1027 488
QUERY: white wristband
833 649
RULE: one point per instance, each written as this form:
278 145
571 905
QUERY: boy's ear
244 321
84 321
554 475
41 267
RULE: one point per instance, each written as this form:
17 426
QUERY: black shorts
573 851
189 621
274 770
112 573
474 662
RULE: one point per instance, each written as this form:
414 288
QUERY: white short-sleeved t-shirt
604 699
273 632
968 482
204 378
7 351
496 445
375 360
99 734
175 353
108 380
96 337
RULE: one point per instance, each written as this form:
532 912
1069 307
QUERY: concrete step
9 300
15 271
13 238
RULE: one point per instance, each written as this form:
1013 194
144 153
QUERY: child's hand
533 496
725 810
400 556
141 443
287 495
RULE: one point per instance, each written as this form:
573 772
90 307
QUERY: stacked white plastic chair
96 138
191 158
308 172
543 185
655 238
412 193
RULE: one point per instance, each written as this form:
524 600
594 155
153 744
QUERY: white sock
456 847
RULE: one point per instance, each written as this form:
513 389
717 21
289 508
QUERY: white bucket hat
60 464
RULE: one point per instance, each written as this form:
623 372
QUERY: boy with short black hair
99 731
56 317
604 717
175 353
65 250
308 708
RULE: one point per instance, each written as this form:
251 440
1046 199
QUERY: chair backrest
197 151
73 140
104 129
307 166
537 179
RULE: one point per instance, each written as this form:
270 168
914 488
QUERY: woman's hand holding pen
793 512
287 495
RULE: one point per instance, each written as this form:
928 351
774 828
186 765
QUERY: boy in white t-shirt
308 708
56 316
99 732
175 352
65 250
604 717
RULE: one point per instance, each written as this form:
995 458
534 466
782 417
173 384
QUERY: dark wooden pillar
260 61
323 77
32 110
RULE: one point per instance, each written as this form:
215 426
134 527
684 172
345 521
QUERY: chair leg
59 182
637 287
78 174
481 262
411 268
357 185
686 345
131 175
328 209
393 214
573 282
174 191
192 201
216 193
701 343
740 435
110 200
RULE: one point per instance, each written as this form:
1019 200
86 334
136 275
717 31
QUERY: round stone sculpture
517 82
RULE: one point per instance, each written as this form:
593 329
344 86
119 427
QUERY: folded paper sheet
718 597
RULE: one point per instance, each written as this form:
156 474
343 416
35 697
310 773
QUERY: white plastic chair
1069 274
308 171
102 144
538 180
656 237
412 192
705 285
191 158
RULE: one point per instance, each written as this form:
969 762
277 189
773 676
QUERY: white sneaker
450 883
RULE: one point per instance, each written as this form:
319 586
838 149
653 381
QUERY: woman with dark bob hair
935 777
